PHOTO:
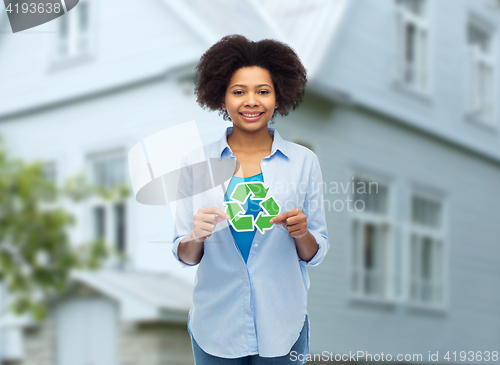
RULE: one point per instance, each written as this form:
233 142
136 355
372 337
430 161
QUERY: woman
250 294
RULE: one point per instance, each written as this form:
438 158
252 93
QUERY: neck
240 140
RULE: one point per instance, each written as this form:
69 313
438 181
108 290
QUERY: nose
251 100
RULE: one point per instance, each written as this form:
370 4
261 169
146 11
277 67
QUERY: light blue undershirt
244 239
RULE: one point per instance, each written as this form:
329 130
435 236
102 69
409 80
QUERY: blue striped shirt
259 307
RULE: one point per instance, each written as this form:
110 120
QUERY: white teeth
251 115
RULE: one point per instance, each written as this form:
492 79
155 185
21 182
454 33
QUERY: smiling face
250 98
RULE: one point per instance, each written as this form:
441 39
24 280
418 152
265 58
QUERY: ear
223 104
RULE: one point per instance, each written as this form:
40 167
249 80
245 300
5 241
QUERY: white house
401 93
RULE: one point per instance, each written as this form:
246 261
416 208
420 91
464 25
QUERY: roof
291 22
141 296
164 290
217 18
308 26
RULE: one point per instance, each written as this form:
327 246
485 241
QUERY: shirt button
256 245
263 164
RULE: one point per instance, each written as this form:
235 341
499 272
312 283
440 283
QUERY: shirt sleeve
314 210
183 217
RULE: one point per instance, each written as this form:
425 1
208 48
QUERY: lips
252 119
252 114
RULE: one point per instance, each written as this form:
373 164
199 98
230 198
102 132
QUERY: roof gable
215 19
308 26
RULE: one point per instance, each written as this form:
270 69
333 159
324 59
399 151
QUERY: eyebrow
240 85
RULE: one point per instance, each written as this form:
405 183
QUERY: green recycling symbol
254 191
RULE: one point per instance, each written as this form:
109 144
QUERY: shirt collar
278 142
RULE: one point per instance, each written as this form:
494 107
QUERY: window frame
402 18
387 220
438 235
95 202
58 61
476 56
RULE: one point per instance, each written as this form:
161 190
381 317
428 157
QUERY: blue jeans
202 358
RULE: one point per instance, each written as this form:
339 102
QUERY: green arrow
243 223
233 209
258 190
240 193
270 206
262 222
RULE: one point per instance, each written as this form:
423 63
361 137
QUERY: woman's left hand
294 221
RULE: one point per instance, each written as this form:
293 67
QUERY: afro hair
232 52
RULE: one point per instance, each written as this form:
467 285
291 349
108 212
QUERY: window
481 74
412 44
426 251
73 33
109 170
108 218
50 171
119 213
371 231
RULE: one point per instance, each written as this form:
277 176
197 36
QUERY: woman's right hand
204 222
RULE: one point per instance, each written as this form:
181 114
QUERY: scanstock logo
26 14
160 176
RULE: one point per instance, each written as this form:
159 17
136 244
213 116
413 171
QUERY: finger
294 229
212 219
206 226
220 219
214 210
206 233
280 218
277 220
208 218
296 226
284 216
291 227
293 220
199 233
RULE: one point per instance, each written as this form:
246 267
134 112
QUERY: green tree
36 256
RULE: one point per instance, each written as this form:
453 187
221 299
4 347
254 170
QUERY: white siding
87 332
363 63
353 140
